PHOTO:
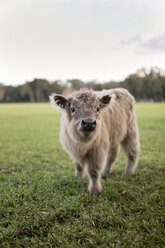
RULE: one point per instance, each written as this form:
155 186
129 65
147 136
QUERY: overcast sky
86 39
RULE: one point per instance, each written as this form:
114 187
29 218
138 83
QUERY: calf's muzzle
88 125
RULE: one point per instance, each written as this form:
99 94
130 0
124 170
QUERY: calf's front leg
79 170
94 173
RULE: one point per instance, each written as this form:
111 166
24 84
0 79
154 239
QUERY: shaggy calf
93 126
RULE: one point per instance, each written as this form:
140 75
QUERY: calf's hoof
79 175
129 171
105 175
95 190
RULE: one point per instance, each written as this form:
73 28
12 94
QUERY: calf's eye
72 110
98 109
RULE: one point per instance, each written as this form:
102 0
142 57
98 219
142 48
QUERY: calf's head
83 109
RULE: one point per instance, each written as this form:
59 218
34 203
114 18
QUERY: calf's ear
104 100
59 100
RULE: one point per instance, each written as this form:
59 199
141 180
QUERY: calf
93 126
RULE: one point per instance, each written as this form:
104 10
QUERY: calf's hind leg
131 147
110 159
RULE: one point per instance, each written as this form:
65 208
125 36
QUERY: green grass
43 205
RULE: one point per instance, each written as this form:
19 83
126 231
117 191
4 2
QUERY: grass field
43 205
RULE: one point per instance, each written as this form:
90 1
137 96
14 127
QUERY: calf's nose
88 124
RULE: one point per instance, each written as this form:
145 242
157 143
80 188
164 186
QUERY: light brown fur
116 125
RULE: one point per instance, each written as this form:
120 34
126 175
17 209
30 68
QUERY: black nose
88 124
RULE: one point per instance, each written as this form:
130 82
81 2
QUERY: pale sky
87 39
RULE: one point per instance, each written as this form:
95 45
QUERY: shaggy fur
114 114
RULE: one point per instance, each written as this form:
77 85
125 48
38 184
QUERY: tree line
144 86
